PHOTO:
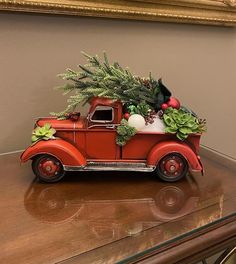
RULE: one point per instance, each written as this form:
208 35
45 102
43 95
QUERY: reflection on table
120 214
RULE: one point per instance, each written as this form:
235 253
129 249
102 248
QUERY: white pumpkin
136 121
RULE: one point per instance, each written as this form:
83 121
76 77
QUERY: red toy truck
89 144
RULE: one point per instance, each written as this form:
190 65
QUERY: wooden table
116 217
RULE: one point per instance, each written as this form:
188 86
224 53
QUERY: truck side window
102 114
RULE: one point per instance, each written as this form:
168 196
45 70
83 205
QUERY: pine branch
100 78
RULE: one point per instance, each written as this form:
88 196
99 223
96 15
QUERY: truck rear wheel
48 168
172 167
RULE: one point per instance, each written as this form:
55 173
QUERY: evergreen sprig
100 78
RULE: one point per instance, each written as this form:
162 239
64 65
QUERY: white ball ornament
136 121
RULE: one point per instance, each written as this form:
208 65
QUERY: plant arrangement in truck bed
148 104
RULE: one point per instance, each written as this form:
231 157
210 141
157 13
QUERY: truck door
101 134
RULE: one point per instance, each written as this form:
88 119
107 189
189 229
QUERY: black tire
48 168
172 167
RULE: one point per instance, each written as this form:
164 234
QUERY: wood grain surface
108 217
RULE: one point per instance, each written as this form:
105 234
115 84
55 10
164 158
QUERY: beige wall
196 62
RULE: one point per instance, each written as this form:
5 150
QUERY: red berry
74 118
173 102
126 116
164 106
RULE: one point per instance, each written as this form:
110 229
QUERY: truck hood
62 124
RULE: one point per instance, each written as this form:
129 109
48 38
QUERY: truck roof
103 101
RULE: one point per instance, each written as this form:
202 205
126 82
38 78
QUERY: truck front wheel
48 168
172 167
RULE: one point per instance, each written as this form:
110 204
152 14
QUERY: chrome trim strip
118 169
109 126
117 164
111 166
73 168
74 133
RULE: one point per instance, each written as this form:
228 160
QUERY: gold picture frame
211 12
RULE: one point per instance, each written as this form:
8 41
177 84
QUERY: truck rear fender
68 154
164 148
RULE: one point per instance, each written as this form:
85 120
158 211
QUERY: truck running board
111 166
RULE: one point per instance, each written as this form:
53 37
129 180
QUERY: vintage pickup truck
89 144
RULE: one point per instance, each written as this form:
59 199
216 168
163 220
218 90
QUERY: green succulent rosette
124 133
182 123
45 132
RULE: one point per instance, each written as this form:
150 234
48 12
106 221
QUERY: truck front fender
167 147
68 154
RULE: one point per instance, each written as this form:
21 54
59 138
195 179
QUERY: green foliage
100 78
182 123
141 109
42 133
124 133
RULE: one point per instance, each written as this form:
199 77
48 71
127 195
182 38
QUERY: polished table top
107 217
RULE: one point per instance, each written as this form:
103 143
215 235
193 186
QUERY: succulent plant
181 123
125 132
42 133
